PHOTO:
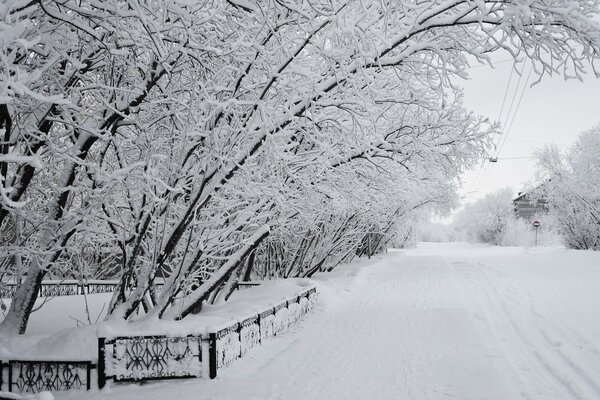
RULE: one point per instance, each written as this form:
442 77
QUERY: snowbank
80 343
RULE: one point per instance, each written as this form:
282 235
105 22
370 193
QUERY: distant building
528 206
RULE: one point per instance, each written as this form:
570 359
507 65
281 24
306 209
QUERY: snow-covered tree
486 220
178 136
572 188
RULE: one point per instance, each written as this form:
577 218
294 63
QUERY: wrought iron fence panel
228 345
59 289
281 320
294 312
153 357
142 358
37 376
267 327
312 298
7 291
249 334
304 305
93 288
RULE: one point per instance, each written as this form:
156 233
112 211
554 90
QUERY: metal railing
29 376
143 358
157 357
68 288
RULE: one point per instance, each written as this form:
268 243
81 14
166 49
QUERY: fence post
259 329
212 356
89 375
101 369
239 332
9 377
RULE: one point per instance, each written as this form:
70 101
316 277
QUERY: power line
516 109
507 124
486 166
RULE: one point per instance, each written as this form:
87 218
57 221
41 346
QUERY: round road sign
536 223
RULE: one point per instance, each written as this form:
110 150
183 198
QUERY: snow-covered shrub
485 220
520 232
492 220
436 232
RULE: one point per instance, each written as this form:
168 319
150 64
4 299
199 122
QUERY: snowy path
439 322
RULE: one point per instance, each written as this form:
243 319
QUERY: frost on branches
572 187
207 142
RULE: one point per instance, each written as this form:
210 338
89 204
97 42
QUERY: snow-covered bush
485 220
520 232
428 231
493 220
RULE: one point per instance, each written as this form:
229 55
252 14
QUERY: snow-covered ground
443 321
59 331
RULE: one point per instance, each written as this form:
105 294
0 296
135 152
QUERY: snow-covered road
439 322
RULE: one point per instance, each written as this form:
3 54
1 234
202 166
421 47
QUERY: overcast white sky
553 111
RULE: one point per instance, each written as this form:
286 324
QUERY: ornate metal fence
145 358
69 288
36 376
101 287
232 342
7 290
52 289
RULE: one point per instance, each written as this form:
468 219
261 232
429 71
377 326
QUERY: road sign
536 225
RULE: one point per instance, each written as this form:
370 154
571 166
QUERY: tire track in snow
525 340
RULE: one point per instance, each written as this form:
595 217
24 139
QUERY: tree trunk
22 303
195 299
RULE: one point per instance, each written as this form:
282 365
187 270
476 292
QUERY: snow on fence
146 358
234 341
93 287
143 358
247 285
52 288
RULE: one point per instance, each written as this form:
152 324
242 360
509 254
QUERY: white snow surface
52 333
443 321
